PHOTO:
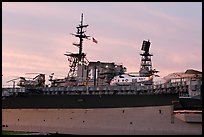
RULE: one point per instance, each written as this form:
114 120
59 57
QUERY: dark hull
191 103
87 101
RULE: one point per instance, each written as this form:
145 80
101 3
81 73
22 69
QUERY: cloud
36 9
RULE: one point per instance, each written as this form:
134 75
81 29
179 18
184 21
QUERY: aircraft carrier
84 102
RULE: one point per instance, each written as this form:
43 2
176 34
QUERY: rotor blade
35 73
12 79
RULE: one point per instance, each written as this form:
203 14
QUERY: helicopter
127 79
37 81
133 77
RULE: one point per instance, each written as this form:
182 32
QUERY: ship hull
27 101
191 103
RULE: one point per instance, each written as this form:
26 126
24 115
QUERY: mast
78 59
146 63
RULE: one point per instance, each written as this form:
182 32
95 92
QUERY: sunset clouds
35 35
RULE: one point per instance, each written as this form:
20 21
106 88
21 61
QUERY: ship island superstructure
83 72
74 104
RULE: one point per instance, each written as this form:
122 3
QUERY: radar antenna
146 63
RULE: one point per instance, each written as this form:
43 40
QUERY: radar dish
145 46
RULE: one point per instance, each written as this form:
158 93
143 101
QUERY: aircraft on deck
127 79
38 80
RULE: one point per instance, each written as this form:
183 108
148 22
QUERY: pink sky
35 36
